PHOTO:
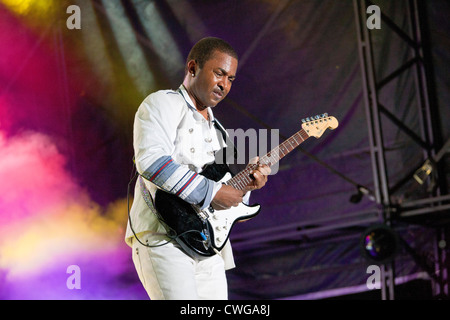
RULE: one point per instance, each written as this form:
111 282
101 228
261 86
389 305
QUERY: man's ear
192 67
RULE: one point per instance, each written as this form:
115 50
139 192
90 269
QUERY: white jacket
172 143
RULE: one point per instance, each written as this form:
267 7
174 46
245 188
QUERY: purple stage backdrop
72 74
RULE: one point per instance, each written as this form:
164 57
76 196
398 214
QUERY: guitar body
202 232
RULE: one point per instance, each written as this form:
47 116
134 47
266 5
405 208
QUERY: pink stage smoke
47 223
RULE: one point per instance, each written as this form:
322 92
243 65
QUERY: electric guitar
204 233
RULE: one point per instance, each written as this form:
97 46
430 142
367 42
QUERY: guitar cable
133 176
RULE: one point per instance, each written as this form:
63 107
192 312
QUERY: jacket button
192 150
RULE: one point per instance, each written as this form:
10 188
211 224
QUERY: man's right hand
227 197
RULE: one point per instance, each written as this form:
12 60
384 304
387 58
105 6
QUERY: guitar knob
218 228
219 239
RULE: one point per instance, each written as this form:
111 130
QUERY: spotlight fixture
361 191
379 244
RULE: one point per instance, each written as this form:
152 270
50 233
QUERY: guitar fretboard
243 179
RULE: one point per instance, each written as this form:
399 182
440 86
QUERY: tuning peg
317 117
325 115
303 120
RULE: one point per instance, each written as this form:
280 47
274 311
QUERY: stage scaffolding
434 204
431 173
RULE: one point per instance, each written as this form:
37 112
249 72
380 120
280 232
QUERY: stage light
379 244
360 192
31 7
129 47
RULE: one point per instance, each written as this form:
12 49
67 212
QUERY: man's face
212 83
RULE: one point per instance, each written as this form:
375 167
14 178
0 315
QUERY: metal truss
432 172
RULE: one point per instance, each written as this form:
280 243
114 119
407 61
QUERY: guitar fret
293 147
275 156
240 184
299 134
285 144
236 184
304 134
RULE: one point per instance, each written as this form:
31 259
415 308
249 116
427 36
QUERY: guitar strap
151 204
146 194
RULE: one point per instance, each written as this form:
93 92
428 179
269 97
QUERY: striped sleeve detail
159 170
179 180
186 184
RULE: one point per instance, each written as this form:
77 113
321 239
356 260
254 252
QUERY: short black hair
203 50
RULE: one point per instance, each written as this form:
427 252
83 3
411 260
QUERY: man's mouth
218 94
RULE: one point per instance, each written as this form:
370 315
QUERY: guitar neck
243 179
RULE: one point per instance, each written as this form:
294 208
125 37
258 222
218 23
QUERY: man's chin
214 103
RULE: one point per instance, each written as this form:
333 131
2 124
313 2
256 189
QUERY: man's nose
224 85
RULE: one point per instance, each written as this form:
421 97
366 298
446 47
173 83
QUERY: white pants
167 273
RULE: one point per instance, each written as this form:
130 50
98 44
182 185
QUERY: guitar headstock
316 126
